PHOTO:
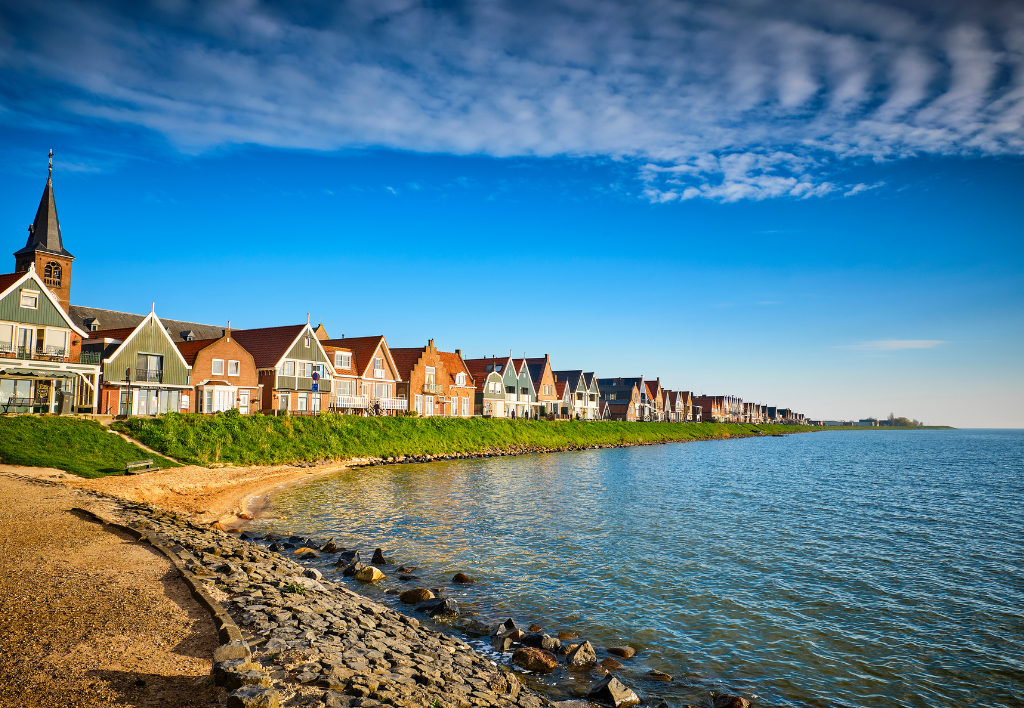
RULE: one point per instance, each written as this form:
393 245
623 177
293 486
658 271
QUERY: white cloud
731 100
890 345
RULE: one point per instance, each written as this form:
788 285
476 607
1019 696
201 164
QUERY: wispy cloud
891 345
727 100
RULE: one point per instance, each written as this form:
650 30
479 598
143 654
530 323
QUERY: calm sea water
873 568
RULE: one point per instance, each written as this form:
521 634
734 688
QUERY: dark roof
571 376
44 233
112 319
121 333
267 344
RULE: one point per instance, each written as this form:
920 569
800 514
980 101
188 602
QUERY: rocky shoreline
290 637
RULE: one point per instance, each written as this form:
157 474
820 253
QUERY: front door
243 402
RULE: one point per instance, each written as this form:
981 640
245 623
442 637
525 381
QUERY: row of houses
59 357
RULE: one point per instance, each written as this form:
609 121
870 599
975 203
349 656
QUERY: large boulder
461 579
624 651
331 547
505 682
351 570
378 557
502 643
348 557
611 692
730 700
415 596
439 607
369 574
531 659
541 641
253 697
582 657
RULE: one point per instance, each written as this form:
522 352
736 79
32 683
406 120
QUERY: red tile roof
9 279
123 333
477 369
267 344
560 388
405 359
363 349
190 350
453 363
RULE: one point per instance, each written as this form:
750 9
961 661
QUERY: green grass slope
82 447
259 439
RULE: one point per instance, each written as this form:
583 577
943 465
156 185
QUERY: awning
38 374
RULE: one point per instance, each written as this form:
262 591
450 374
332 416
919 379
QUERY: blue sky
813 205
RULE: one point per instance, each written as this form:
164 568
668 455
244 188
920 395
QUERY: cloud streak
729 101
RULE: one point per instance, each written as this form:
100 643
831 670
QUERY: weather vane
51 161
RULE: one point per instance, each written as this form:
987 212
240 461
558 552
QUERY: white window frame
234 368
33 294
429 375
455 406
418 404
288 365
217 367
460 379
465 406
305 342
301 402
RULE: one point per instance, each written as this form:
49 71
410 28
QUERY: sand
89 617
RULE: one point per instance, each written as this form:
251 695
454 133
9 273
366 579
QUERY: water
829 569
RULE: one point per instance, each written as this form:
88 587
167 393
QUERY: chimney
459 352
547 358
430 344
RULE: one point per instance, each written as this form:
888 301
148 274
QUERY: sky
815 205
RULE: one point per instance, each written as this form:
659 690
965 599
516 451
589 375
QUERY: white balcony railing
394 404
378 373
349 402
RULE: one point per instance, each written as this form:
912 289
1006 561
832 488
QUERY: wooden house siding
148 339
45 315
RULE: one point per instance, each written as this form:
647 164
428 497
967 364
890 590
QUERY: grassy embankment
83 447
250 440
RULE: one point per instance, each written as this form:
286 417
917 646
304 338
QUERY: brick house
436 383
368 385
544 385
295 375
224 375
143 373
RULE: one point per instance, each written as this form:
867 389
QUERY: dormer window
460 379
342 360
188 335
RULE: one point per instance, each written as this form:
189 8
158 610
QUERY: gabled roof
560 388
126 335
9 281
405 359
44 233
268 345
363 349
574 377
190 350
590 379
112 319
480 368
453 362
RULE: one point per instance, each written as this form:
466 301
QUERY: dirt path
206 494
89 617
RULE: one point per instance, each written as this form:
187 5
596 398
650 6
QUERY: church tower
45 247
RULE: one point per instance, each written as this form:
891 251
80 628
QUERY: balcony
90 358
9 351
378 373
433 388
344 402
149 375
393 404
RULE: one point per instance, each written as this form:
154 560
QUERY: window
429 375
305 343
524 391
342 360
301 402
428 405
455 406
510 389
418 406
234 368
30 299
51 273
289 368
460 379
346 388
378 368
218 367
6 340
465 406
208 407
305 369
94 327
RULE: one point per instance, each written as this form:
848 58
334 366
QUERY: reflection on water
847 568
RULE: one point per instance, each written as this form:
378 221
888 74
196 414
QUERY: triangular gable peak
151 317
380 349
524 375
32 275
315 343
593 387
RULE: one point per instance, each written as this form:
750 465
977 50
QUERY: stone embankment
291 637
